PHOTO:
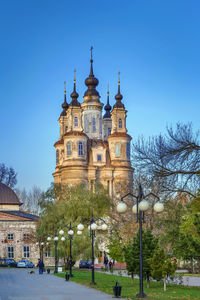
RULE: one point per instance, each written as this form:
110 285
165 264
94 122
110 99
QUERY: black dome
7 195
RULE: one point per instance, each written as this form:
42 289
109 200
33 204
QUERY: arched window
120 123
69 148
80 148
75 122
117 150
57 156
128 150
109 131
66 127
100 125
93 125
86 124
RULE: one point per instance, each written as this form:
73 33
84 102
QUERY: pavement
19 284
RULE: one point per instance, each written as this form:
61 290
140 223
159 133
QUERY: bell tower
92 107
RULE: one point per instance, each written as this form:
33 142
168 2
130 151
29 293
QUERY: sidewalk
187 280
19 284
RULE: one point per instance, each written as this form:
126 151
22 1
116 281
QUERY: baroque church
93 147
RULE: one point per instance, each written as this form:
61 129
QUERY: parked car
25 263
3 262
85 264
11 262
8 262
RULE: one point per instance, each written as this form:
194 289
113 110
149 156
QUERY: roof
60 142
7 195
17 216
22 214
75 133
119 134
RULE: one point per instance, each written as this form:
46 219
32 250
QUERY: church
94 146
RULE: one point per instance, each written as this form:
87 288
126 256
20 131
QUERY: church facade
94 147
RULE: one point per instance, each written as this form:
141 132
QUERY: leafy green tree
62 205
115 247
132 251
188 241
161 266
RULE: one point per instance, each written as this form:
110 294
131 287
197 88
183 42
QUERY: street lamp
139 208
41 250
56 254
92 227
80 227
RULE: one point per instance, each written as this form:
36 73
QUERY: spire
74 95
107 107
91 82
65 104
119 96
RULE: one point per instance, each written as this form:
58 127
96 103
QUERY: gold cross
74 75
65 86
91 51
118 77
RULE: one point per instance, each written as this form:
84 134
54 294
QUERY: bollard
117 290
67 276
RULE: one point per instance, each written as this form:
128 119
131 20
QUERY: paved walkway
186 280
19 284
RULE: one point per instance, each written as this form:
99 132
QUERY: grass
105 282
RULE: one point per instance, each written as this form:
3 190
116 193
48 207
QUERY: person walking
40 266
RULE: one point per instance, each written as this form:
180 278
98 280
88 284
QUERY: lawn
105 282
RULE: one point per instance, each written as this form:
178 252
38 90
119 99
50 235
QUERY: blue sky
155 45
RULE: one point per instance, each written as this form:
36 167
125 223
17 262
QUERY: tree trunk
165 285
148 282
132 276
191 265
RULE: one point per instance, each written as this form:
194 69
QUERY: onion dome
65 105
91 82
107 107
119 96
74 95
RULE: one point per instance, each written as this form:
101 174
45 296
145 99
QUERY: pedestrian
110 265
106 261
40 265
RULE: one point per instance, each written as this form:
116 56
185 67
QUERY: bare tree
31 200
173 159
8 176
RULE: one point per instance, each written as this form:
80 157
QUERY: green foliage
149 245
161 265
62 205
115 247
169 223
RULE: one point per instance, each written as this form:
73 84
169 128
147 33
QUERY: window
26 251
93 124
100 125
75 122
120 123
109 131
69 150
117 150
66 127
80 148
86 124
26 236
10 237
128 150
98 157
10 252
47 252
57 156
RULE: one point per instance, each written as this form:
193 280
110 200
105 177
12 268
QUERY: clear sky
154 43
